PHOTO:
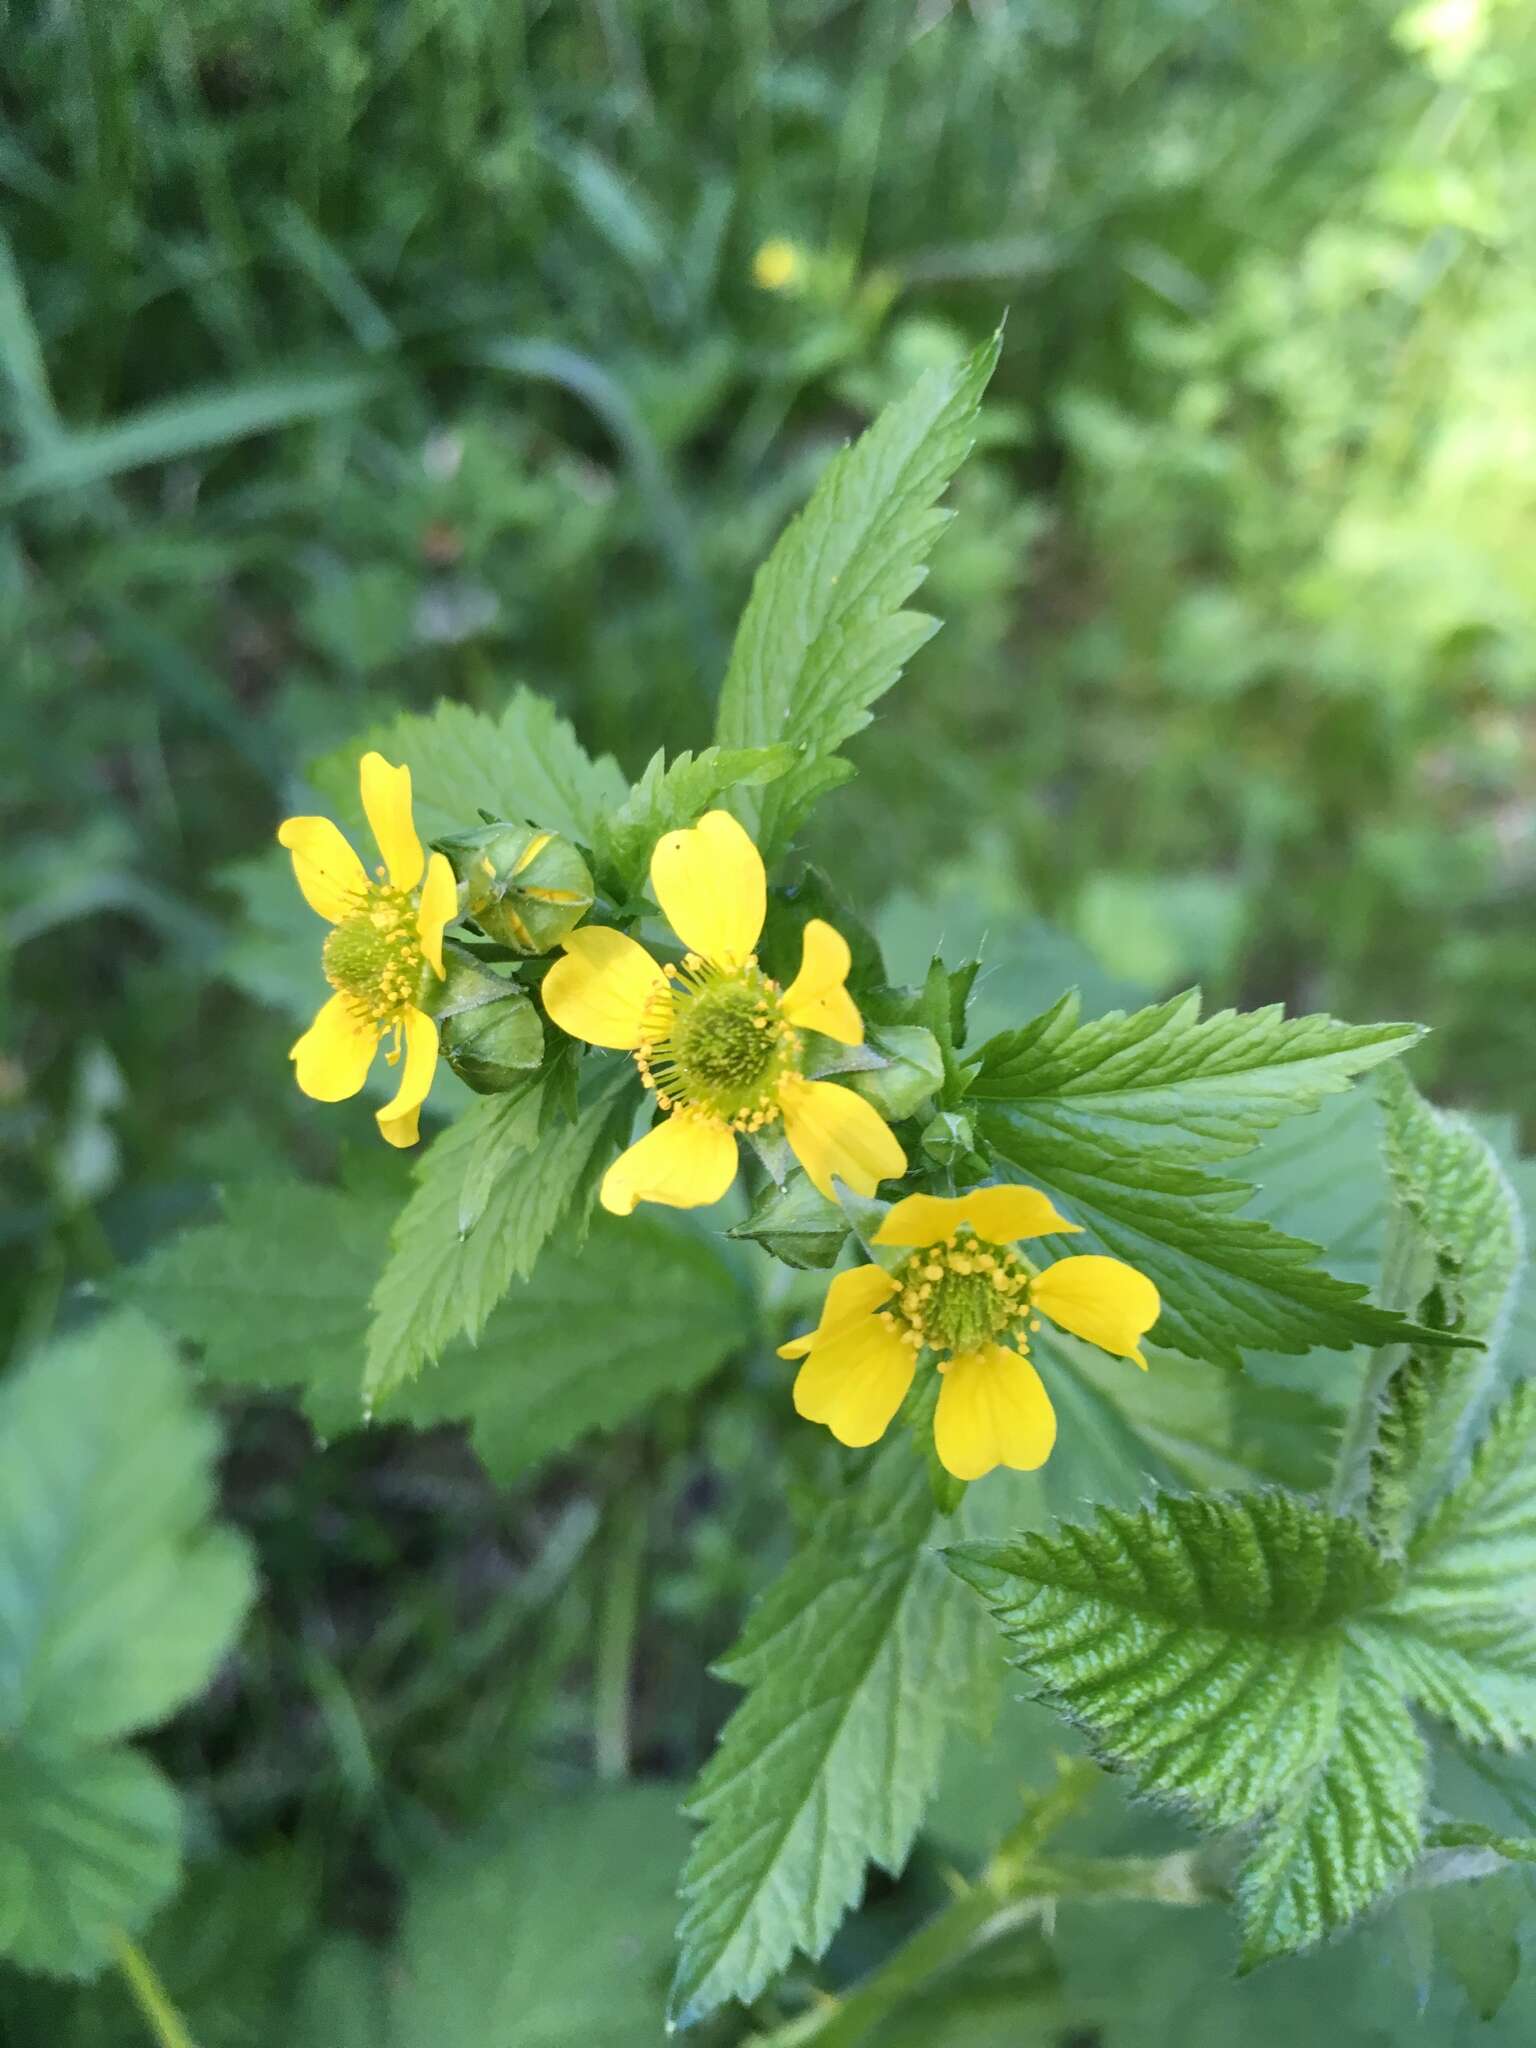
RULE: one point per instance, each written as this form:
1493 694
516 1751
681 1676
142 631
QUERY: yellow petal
600 990
850 1298
711 887
438 907
400 1123
387 800
856 1381
1103 1300
327 870
332 1059
684 1162
833 1131
816 999
998 1214
993 1410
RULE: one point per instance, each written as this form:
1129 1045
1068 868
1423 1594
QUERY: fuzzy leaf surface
450 1263
118 1598
1167 1080
824 633
526 764
854 1663
1207 1645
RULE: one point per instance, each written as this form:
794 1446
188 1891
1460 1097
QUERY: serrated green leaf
670 795
526 764
443 1278
823 634
1228 1282
642 1309
1348 1833
1164 1079
276 1293
1460 1636
90 1843
117 1601
857 1661
1207 1644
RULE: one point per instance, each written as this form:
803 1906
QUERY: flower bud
913 1071
949 1139
524 887
494 1045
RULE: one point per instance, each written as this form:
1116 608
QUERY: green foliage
489 1195
592 1340
823 634
525 764
119 1601
673 794
1163 1079
858 1661
1204 1643
275 1294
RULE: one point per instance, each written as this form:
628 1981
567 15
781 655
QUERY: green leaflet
1460 1636
490 1193
671 795
1163 1079
823 634
857 1661
117 1601
527 763
596 1336
1230 1283
1206 1644
275 1294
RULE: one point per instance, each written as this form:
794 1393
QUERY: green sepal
524 887
794 1223
912 1073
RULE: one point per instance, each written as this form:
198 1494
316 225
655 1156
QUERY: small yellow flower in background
715 1038
383 953
779 265
962 1293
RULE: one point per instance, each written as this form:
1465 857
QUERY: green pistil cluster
373 958
717 1044
960 1295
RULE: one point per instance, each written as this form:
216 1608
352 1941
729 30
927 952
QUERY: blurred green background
359 352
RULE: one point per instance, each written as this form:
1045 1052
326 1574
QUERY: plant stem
149 1995
1017 1886
617 1622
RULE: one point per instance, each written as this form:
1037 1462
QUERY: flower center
717 1041
374 957
962 1294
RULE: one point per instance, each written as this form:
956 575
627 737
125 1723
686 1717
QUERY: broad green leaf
644 1308
671 795
1348 1832
551 1927
90 1843
1206 1645
1163 1079
1460 1636
1229 1282
117 1601
276 1293
526 764
857 1662
824 633
450 1266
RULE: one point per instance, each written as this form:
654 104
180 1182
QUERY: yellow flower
962 1293
717 1040
779 265
383 953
